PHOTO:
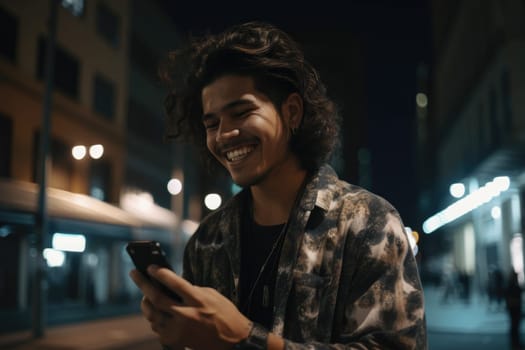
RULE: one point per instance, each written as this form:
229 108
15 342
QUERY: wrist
256 339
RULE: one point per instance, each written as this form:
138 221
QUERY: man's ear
292 110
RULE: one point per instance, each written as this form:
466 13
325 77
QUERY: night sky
393 37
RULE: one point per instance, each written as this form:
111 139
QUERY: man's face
244 130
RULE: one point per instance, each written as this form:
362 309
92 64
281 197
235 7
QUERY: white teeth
238 153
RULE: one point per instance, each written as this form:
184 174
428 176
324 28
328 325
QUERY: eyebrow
231 105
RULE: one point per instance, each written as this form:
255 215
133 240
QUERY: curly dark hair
278 67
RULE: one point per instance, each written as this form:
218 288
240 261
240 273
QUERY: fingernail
152 268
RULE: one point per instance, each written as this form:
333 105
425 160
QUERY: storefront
484 229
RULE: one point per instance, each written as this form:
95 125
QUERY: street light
473 200
212 201
495 212
80 151
96 151
421 100
457 190
174 186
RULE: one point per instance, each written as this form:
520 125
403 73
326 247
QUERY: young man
299 258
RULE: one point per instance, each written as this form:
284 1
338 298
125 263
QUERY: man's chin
243 183
247 181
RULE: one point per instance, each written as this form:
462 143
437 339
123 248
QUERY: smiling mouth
239 153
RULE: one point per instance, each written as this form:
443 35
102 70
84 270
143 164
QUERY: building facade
89 99
106 94
476 140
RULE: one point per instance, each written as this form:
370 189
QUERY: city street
452 325
111 336
467 341
151 344
437 341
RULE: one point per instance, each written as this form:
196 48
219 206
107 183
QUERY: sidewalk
456 316
107 334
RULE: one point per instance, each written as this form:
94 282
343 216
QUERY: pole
38 296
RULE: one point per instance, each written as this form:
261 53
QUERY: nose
225 133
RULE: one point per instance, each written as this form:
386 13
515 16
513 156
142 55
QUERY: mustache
226 146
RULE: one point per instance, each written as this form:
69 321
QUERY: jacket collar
315 197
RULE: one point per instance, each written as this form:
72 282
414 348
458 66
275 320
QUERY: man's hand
205 320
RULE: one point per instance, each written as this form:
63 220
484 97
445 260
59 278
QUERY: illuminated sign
468 203
69 242
54 258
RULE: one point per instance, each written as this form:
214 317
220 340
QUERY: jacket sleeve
188 272
380 299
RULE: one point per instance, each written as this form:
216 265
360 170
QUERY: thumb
174 282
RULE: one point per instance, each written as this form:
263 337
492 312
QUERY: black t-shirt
256 291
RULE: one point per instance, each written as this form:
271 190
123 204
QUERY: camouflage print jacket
347 278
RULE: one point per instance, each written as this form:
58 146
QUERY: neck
273 199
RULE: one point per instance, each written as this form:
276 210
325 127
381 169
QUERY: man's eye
243 113
211 125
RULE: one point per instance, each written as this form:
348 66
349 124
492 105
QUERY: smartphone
146 253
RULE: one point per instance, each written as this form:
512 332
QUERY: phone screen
146 253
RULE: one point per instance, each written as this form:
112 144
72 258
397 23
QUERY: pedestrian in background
299 258
513 303
495 288
449 282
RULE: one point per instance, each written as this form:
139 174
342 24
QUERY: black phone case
146 253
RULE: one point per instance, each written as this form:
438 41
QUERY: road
461 341
437 341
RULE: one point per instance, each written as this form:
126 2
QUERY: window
144 123
104 97
76 7
522 201
482 132
143 57
61 163
494 118
8 39
139 180
506 99
100 179
108 24
10 247
6 136
67 69
64 280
